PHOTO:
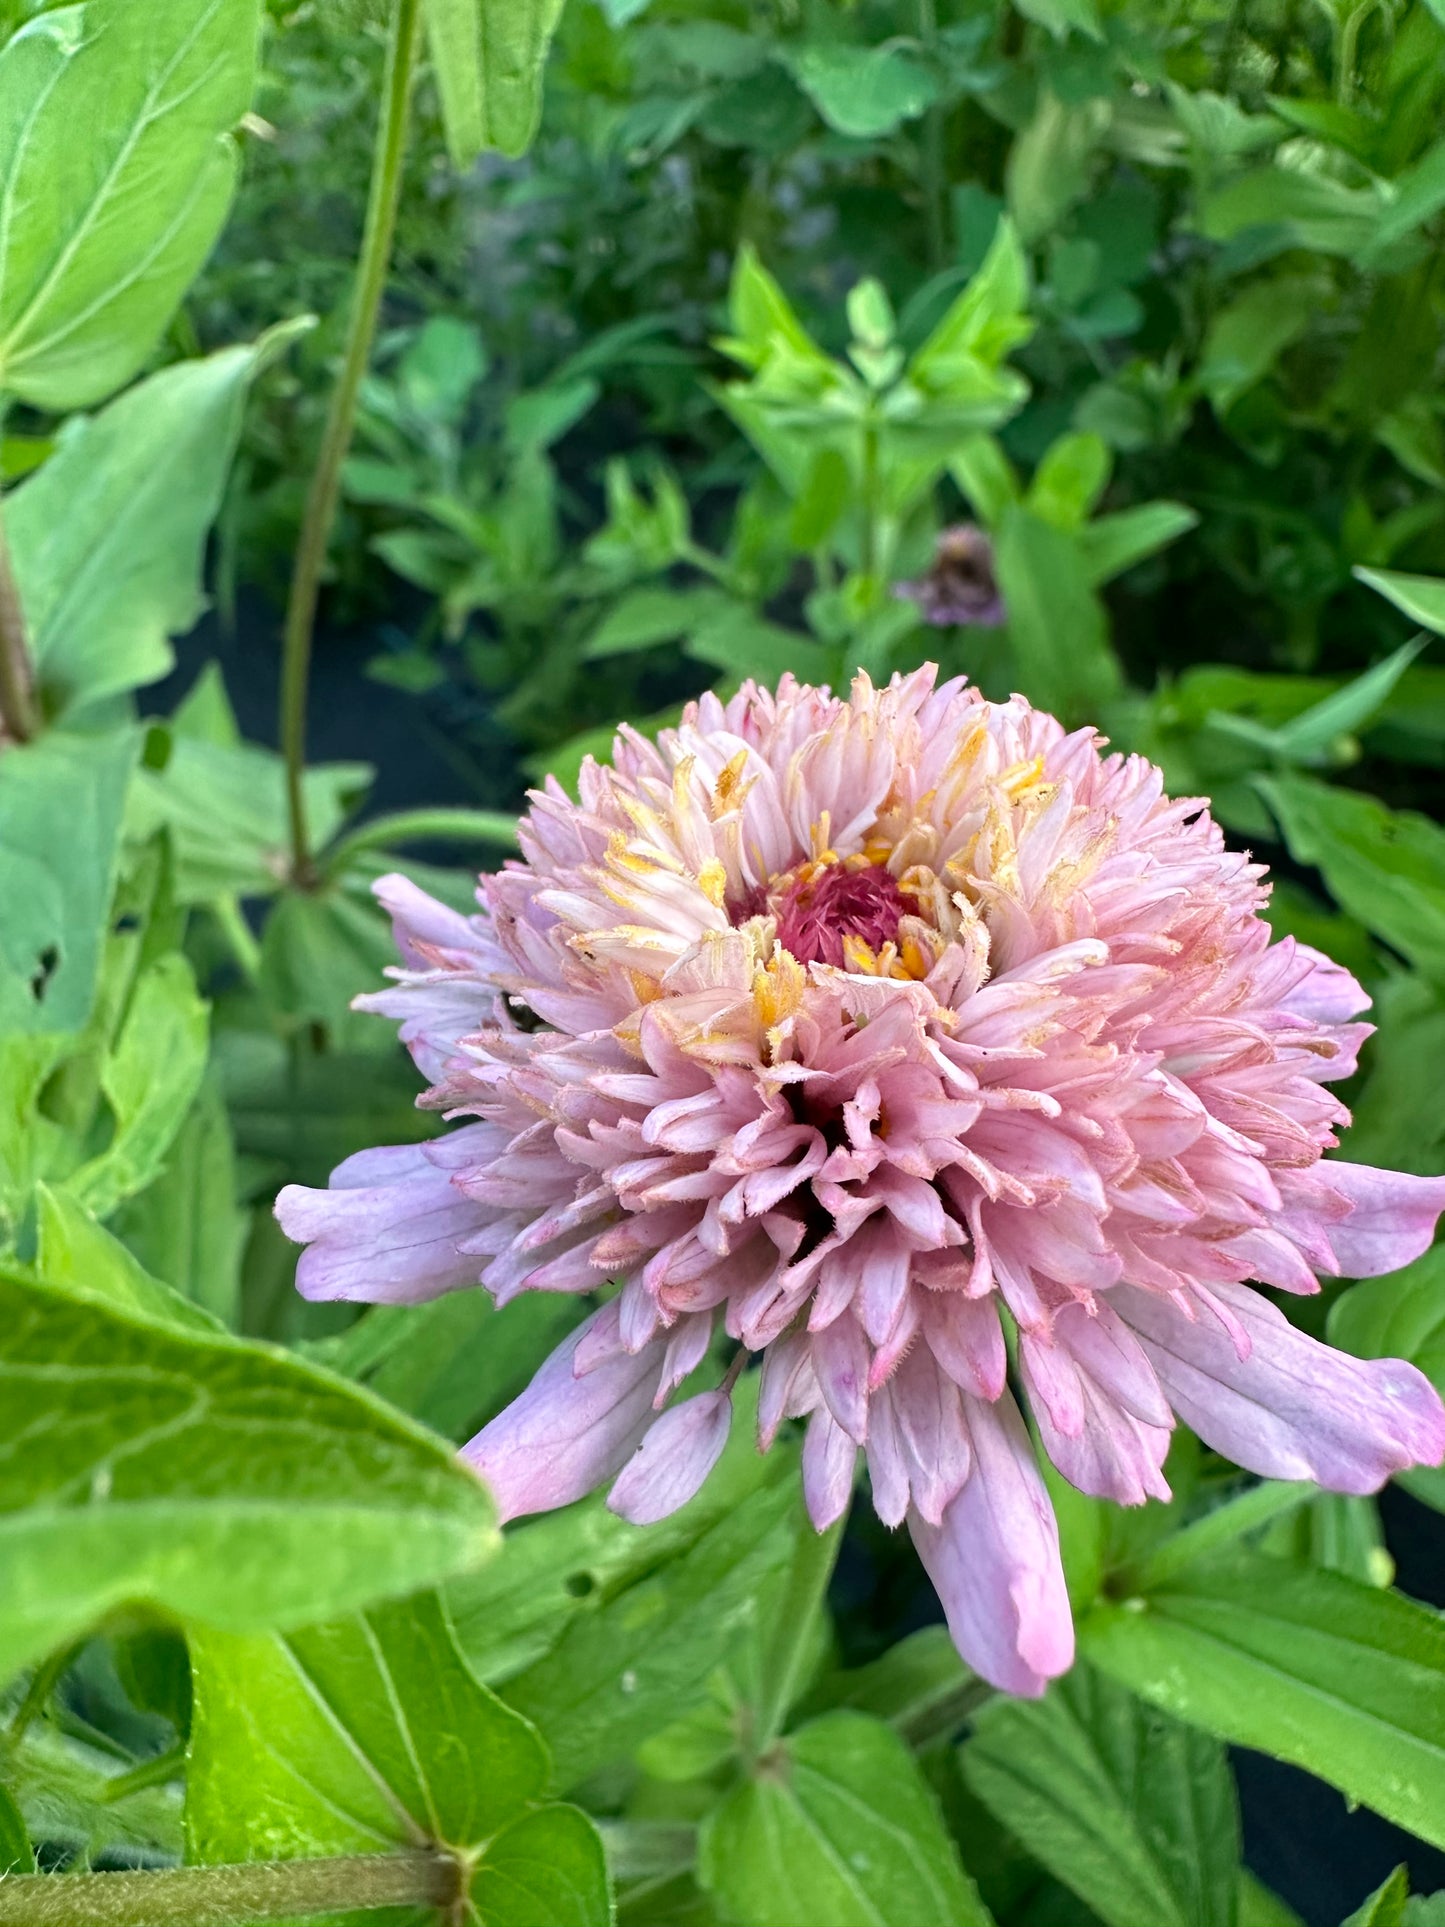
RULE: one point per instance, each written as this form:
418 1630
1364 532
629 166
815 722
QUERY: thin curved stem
325 489
19 714
230 1896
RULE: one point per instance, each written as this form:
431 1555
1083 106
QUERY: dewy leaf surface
100 236
217 1480
1337 1677
371 1734
840 1827
1132 1811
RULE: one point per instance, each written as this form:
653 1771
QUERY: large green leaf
116 170
1386 867
56 883
1334 1676
217 1480
1134 1812
836 1825
108 538
488 57
369 1734
1057 628
79 1257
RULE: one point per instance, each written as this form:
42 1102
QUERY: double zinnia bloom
857 1035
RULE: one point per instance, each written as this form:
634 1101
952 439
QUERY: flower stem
325 489
814 1556
424 826
18 713
229 1896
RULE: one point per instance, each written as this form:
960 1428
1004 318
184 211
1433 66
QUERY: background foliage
686 359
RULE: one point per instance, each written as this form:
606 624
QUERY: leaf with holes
369 1735
100 237
57 888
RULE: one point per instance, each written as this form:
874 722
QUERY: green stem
1217 1529
814 1556
42 1685
230 1896
18 712
325 489
154 1772
943 1716
423 826
932 148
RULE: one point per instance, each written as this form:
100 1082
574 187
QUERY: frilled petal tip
995 1563
1392 1217
673 1460
569 1430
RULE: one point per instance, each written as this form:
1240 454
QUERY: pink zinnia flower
848 1027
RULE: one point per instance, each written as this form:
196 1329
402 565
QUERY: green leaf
989 318
1133 1812
624 1672
57 888
864 92
1385 1907
1304 210
1056 624
1422 597
986 476
371 1733
108 538
488 57
1342 1679
1048 164
218 1481
1259 1907
456 1362
80 1258
837 1825
100 236
1247 338
1069 480
187 1228
1064 16
1314 731
319 951
16 1855
1385 867
645 617
548 1866
1418 195
222 802
1115 543
149 1080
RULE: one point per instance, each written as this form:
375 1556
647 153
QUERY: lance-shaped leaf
488 57
221 1481
1337 1677
116 171
371 1735
109 536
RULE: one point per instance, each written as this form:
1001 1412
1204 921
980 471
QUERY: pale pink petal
1392 1221
829 1460
566 1434
675 1456
995 1560
1294 1408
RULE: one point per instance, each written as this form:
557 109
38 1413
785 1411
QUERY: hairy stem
18 712
322 497
229 1896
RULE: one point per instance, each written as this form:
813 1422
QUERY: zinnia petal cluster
864 1034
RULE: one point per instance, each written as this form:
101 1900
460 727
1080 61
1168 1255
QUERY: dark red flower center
817 907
